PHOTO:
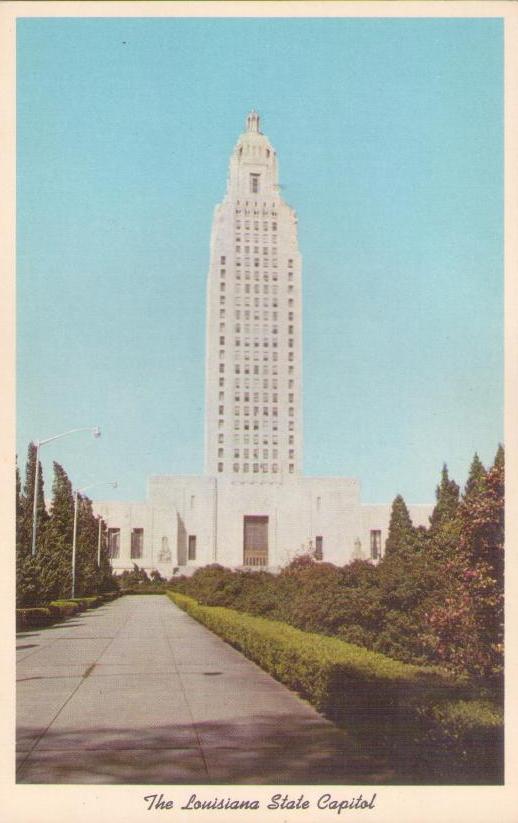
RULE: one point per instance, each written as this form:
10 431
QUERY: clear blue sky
389 136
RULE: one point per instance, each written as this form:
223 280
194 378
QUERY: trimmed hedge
151 589
59 609
36 616
425 720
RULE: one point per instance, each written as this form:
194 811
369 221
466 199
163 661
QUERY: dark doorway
255 540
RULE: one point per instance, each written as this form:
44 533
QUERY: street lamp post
96 433
99 543
74 536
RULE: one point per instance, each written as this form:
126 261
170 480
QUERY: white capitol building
252 507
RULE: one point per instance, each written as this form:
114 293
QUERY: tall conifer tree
466 626
28 579
401 531
447 496
26 503
476 477
88 576
56 556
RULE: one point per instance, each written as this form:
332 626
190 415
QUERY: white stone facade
254 333
252 508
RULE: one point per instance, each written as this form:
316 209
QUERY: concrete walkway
138 692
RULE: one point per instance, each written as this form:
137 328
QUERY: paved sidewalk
138 692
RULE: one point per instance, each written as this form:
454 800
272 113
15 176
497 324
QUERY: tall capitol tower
253 417
253 507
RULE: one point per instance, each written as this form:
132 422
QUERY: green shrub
143 589
106 597
28 618
88 602
59 609
137 580
423 717
466 734
63 608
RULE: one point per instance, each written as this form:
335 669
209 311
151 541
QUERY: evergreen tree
26 504
476 477
19 510
500 459
88 576
466 627
401 532
447 496
405 579
56 554
28 580
107 580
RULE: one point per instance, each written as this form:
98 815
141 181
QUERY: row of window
137 543
257 342
248 288
244 355
266 302
137 534
255 250
239 262
257 274
258 332
255 397
254 225
247 328
255 369
269 438
255 468
256 205
265 424
223 258
255 454
256 383
257 316
136 546
255 411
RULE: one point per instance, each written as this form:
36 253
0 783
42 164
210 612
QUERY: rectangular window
319 548
191 548
114 543
375 544
254 183
137 543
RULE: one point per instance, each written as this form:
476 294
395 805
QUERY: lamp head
115 484
96 432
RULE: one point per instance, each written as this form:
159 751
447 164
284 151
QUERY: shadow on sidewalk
263 749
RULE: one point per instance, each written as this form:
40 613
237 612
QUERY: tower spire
252 121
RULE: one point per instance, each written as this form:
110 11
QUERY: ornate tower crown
253 164
252 121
